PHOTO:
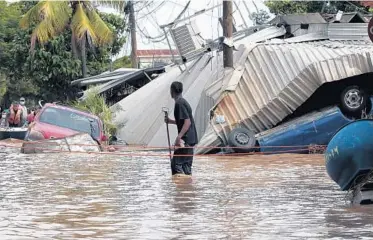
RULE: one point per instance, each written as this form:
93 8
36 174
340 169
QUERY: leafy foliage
52 68
123 62
95 104
47 72
292 7
52 17
261 17
13 77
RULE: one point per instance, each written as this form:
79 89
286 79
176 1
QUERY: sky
151 14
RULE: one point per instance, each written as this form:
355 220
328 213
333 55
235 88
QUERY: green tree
52 17
53 66
261 17
99 58
95 104
123 62
46 73
292 7
12 78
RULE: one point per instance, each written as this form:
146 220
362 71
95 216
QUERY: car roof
88 114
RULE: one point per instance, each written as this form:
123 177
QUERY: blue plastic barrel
349 154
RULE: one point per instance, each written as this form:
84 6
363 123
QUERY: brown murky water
95 197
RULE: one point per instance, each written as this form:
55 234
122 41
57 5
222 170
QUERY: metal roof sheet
155 52
295 19
315 36
269 81
262 35
348 31
278 78
347 17
141 113
104 77
129 78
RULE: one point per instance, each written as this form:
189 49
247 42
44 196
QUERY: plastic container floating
349 155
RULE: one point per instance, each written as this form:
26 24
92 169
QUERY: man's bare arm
170 121
185 128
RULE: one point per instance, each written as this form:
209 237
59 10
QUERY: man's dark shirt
183 111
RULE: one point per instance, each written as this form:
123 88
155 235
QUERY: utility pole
132 23
227 32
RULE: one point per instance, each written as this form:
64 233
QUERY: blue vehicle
348 157
294 136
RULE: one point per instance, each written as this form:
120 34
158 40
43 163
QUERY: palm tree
52 18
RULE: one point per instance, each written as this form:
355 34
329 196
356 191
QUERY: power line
163 36
155 9
194 9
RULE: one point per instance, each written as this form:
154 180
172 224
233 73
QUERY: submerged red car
58 121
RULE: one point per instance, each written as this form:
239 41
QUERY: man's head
22 101
176 89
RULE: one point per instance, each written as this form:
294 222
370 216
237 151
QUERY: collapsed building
273 75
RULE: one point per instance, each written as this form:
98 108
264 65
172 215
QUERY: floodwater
71 196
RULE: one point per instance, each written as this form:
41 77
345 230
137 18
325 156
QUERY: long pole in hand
165 110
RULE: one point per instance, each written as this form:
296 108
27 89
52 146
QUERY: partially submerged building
272 77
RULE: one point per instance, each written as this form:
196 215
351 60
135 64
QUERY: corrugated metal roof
348 31
104 77
355 44
141 113
307 37
269 81
295 19
136 79
155 52
278 78
263 35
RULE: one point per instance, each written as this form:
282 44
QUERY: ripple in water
57 196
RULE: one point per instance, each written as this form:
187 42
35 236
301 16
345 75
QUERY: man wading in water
187 132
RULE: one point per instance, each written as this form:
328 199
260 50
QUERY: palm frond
105 34
117 5
81 25
51 18
42 33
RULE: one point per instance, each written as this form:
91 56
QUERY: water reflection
184 195
89 197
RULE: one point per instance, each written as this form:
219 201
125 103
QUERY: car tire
241 140
353 100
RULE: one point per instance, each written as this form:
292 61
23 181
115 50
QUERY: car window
72 120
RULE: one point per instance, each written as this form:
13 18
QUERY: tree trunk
132 23
84 56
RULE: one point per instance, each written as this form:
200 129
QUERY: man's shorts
182 164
